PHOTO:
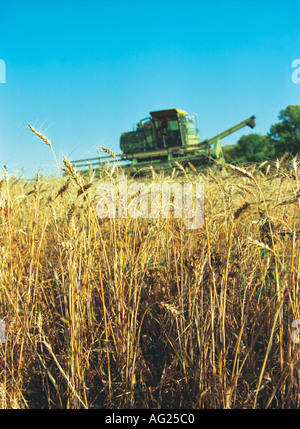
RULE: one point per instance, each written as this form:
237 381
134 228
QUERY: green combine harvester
165 138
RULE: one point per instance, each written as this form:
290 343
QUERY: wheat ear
111 153
47 142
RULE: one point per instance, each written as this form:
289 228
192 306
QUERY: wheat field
144 313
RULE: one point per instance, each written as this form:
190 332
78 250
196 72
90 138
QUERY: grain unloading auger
161 140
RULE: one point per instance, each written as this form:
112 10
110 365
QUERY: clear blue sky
82 72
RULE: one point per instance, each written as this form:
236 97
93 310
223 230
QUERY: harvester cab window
173 125
189 129
191 124
168 134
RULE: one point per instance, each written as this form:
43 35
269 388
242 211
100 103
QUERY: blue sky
82 72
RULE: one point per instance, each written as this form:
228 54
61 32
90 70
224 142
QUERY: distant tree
251 148
285 135
228 153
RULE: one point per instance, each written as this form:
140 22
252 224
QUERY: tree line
284 136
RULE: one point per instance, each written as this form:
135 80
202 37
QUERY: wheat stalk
262 164
283 176
84 189
91 174
240 171
71 171
193 167
240 210
47 142
70 215
63 189
295 167
181 168
111 153
6 175
40 135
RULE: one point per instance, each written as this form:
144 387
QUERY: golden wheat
144 313
110 152
40 135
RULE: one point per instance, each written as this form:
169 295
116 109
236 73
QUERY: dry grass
143 312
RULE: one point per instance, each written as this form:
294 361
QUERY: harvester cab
164 129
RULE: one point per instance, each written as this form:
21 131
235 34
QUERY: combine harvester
164 139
